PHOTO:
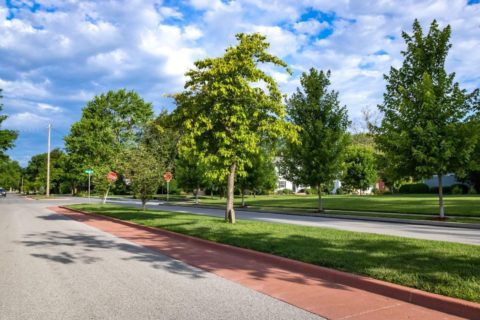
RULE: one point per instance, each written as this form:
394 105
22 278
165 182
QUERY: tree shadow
88 249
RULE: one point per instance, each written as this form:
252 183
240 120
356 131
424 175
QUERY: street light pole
48 161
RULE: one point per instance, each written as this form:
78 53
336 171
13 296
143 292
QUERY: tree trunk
440 196
230 211
243 198
320 204
196 194
144 204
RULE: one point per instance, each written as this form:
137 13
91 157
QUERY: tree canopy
7 137
424 130
317 160
229 107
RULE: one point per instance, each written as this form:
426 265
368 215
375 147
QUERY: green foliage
36 172
284 191
260 176
10 174
191 175
140 166
317 160
414 188
110 124
360 171
7 137
161 137
229 108
457 190
425 129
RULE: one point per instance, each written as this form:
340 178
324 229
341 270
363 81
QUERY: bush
340 191
461 188
311 191
285 191
472 190
413 188
456 190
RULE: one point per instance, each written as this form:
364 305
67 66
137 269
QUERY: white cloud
63 58
310 26
48 107
26 122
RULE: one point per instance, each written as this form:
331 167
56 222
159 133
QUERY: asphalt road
461 235
52 267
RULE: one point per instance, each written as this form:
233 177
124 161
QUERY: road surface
460 235
52 267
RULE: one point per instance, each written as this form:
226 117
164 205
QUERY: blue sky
56 55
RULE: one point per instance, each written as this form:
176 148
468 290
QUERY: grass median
455 205
445 268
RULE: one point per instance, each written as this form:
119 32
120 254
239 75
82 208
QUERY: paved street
52 267
461 235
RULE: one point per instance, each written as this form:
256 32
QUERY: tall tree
110 124
228 107
317 160
36 170
140 166
425 130
10 174
7 137
360 170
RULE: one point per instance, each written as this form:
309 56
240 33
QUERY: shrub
340 191
462 187
285 191
311 191
412 188
456 190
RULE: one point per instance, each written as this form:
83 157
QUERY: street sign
89 171
168 176
112 177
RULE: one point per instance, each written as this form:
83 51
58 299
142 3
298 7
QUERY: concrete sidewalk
296 283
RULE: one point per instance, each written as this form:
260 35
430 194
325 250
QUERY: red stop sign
168 176
112 176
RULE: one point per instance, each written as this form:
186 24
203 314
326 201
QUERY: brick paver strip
326 292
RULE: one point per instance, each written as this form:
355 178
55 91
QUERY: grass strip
445 268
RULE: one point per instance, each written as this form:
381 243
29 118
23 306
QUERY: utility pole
48 161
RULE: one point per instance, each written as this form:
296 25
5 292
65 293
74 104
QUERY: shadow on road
78 247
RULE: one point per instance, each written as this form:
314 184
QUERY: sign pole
168 190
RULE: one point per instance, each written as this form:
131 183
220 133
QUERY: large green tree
110 124
425 129
36 171
7 137
10 174
360 170
317 160
228 108
143 170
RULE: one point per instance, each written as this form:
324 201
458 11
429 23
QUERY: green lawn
445 268
455 205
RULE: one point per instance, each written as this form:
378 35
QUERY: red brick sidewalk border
457 307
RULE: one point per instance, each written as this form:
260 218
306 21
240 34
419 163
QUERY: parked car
3 193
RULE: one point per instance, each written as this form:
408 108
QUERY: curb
454 306
346 217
